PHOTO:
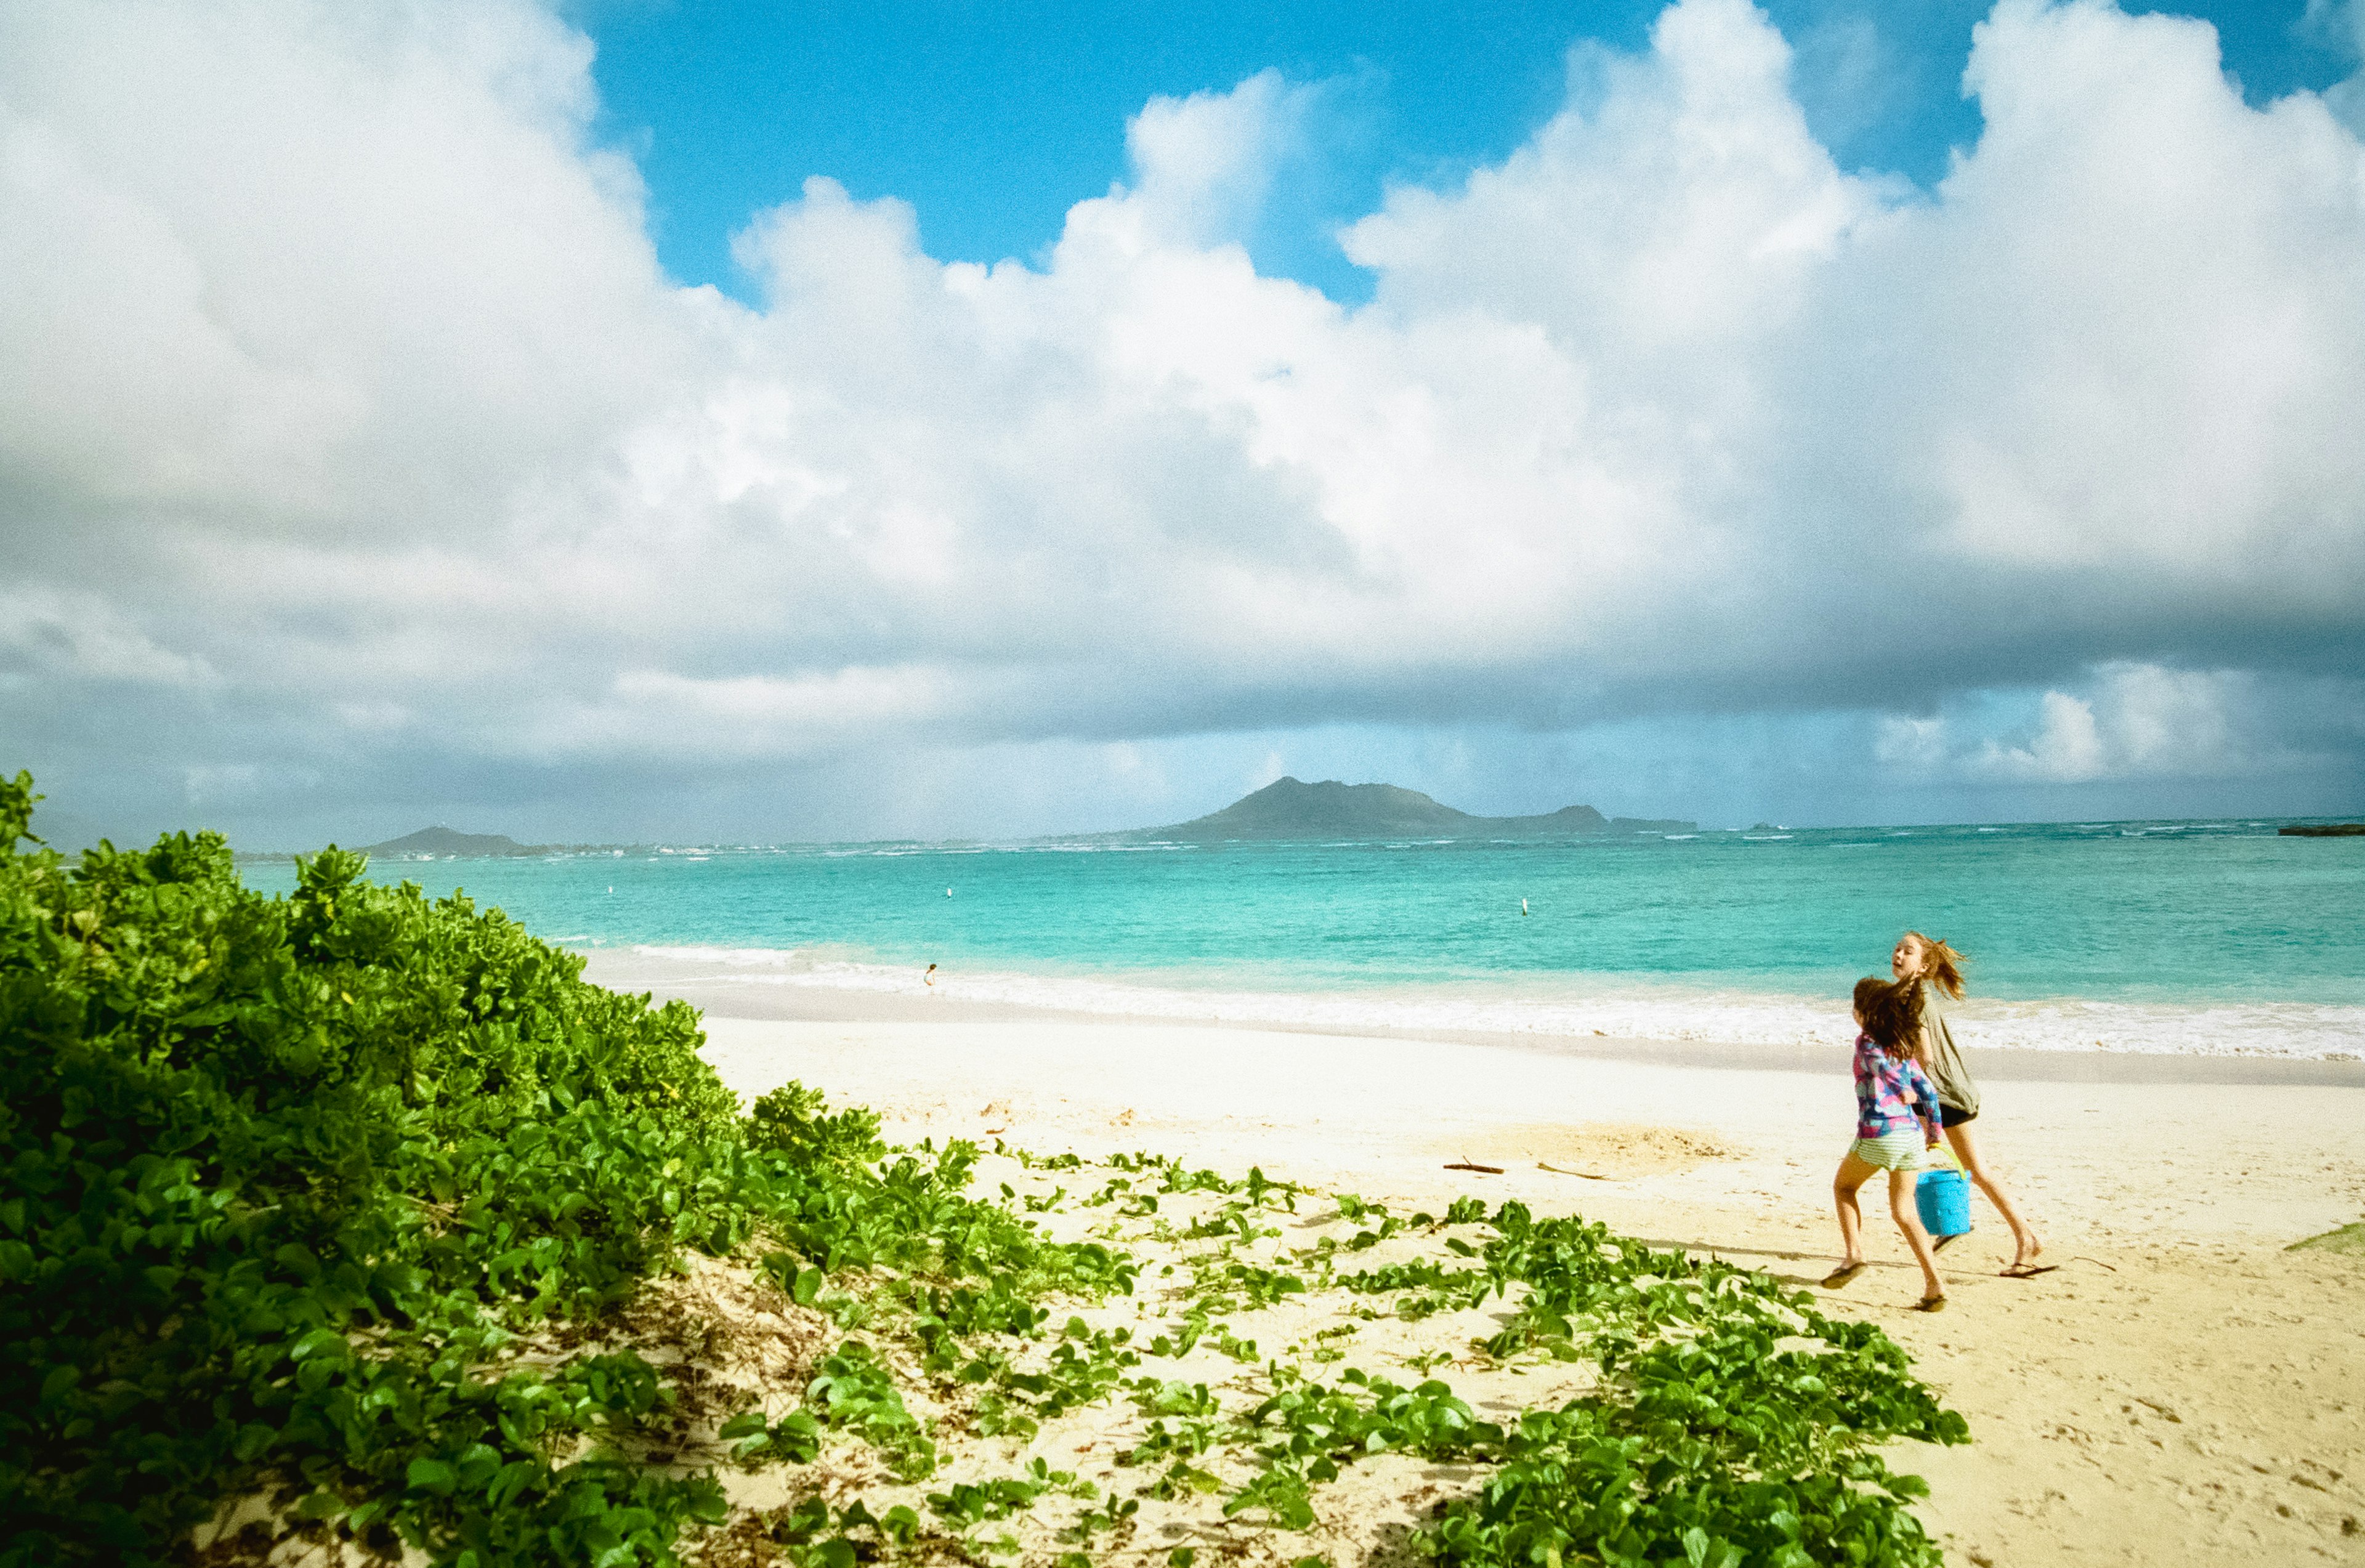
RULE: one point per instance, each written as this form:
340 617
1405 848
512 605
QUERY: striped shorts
1891 1151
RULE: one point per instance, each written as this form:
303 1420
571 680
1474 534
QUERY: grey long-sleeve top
1942 1059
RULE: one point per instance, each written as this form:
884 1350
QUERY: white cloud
2132 324
1203 163
75 637
2065 749
2132 721
1846 77
2340 25
1677 224
346 380
307 264
1909 744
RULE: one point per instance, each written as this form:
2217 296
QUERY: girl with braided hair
1896 1124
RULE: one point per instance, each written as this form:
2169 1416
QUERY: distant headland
1292 809
449 844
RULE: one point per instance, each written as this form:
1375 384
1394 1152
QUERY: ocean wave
2296 1030
1153 847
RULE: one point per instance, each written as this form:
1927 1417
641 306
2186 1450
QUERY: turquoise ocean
2215 937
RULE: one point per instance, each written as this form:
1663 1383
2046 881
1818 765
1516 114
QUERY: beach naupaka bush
280 1178
287 1184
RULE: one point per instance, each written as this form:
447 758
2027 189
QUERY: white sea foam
1553 1008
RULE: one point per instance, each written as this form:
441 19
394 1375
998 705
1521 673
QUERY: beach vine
360 1218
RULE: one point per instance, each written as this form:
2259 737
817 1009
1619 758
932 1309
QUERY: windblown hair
1941 965
1891 1011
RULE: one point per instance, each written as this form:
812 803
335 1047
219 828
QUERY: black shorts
1955 1116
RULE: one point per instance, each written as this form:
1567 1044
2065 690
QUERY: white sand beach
2183 1390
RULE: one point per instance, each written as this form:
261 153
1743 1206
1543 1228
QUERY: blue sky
992 121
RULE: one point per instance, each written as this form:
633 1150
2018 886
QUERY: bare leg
1901 1204
2025 1246
1852 1175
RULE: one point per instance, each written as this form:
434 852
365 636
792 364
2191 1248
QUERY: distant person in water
930 978
1896 1126
1936 969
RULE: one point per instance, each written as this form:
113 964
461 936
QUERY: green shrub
795 1120
282 1181
279 1178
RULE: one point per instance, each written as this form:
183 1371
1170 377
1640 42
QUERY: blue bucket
1943 1199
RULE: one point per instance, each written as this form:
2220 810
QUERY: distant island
448 844
435 842
1292 809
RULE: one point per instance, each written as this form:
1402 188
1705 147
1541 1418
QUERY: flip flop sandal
2028 1270
1931 1303
1939 1244
1842 1275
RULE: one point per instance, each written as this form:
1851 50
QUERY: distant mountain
1291 809
435 842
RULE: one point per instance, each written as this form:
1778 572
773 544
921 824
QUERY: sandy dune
2183 1390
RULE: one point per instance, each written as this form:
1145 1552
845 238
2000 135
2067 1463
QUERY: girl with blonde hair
1937 969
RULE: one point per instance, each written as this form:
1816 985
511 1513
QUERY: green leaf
322 1343
433 1475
